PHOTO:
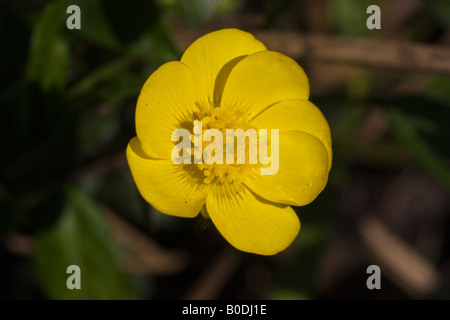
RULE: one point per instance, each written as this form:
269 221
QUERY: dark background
67 102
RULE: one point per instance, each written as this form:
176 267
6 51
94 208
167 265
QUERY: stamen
223 119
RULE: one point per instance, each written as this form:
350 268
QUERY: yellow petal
166 103
172 189
250 223
210 53
297 115
262 79
302 173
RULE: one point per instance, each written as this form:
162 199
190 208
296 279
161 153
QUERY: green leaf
88 84
155 46
227 6
350 16
196 12
288 294
94 24
122 86
80 238
49 53
407 134
439 88
428 113
441 10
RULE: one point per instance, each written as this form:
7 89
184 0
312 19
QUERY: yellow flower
229 80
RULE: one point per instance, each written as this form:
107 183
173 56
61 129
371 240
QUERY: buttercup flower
228 80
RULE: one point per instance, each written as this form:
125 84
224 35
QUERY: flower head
227 80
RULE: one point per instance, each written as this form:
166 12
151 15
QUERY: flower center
237 151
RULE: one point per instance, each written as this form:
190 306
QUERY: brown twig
19 244
219 272
90 167
377 53
398 261
145 256
100 165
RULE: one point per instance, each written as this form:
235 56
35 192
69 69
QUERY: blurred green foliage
67 99
347 16
80 238
441 9
49 54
